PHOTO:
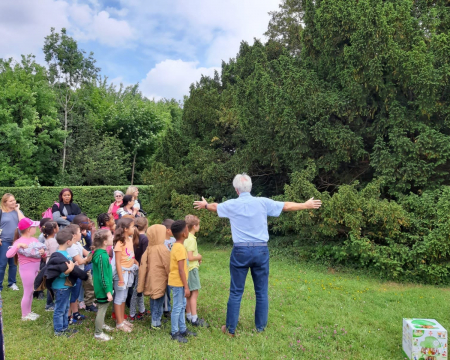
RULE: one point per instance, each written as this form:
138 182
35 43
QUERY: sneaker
82 305
166 314
188 321
200 322
188 333
91 308
41 296
77 316
67 333
155 327
140 316
14 287
49 308
103 337
177 336
34 315
71 331
73 321
29 317
107 328
132 318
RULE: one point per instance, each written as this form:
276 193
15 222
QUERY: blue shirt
248 216
58 283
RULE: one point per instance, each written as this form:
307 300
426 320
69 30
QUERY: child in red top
29 266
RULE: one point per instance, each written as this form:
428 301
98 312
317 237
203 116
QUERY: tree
69 68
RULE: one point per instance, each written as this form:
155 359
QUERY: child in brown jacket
154 272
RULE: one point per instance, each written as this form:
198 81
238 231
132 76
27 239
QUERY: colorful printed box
424 339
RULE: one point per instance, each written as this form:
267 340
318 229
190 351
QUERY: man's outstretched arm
198 205
310 204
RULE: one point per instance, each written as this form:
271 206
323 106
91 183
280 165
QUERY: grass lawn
315 313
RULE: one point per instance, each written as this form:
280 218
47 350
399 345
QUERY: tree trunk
132 171
65 139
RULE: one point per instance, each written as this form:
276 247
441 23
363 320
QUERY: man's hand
313 204
187 293
70 266
109 296
200 204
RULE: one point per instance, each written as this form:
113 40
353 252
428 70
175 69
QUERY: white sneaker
103 337
29 317
34 314
107 328
14 287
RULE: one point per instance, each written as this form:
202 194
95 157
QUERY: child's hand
187 293
121 283
109 296
70 266
41 252
22 245
200 257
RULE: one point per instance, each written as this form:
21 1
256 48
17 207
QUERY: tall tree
69 67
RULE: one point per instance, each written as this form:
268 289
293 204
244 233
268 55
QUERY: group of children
120 262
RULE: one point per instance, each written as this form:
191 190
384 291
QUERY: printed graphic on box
424 339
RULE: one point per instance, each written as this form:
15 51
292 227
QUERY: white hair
118 192
242 183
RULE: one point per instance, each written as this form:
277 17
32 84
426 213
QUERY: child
124 269
178 282
40 294
28 266
49 231
103 281
170 240
106 222
140 242
86 296
58 283
154 272
195 259
79 256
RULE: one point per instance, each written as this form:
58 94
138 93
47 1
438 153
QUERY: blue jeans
179 305
61 313
12 272
156 307
75 291
257 260
167 306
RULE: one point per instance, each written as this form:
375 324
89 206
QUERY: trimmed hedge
93 200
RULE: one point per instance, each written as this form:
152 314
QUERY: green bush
93 200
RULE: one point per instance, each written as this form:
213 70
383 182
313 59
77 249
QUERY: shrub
93 200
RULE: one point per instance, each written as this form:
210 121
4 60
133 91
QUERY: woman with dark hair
127 207
66 210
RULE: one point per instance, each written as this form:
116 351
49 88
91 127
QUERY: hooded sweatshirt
155 264
102 275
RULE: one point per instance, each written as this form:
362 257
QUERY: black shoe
91 308
177 336
188 321
200 322
41 296
188 333
166 314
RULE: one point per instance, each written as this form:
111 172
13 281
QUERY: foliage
93 200
30 134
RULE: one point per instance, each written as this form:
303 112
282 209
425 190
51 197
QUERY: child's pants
135 299
28 274
61 313
167 307
179 305
88 286
156 307
100 318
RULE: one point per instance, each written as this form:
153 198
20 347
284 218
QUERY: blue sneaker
78 317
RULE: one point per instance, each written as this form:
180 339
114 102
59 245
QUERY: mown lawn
315 313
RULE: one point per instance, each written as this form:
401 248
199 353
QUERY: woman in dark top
66 210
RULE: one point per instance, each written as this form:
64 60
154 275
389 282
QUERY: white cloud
172 78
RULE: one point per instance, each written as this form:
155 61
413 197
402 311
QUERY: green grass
315 313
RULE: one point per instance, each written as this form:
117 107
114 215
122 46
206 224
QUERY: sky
162 45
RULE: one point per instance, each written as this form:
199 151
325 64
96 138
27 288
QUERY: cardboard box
424 339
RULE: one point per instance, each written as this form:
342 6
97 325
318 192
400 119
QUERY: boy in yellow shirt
195 259
178 282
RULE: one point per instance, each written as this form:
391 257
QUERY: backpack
48 213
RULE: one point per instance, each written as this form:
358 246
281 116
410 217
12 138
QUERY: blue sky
162 45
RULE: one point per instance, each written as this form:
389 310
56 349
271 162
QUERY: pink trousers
28 273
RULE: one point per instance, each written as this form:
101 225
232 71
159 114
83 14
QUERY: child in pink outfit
29 267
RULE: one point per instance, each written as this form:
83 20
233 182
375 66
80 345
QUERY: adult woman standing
134 192
127 207
118 197
10 217
66 210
